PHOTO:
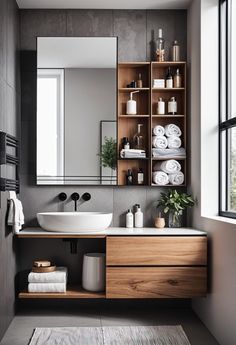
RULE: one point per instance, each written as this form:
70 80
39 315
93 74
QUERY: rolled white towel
172 130
158 131
46 287
58 276
174 142
176 179
171 166
160 178
159 142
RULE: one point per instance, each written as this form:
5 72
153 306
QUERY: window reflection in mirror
76 110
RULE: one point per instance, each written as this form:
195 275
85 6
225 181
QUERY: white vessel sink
79 222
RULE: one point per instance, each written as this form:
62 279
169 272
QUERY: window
227 108
50 124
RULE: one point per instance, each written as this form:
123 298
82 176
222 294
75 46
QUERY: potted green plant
108 155
174 203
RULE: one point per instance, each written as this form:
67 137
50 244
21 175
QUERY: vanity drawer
156 250
156 282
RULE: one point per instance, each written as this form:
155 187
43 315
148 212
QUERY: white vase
93 273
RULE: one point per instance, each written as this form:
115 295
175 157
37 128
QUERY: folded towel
159 131
160 178
174 142
172 129
176 179
181 152
46 287
58 276
159 142
170 166
15 214
132 153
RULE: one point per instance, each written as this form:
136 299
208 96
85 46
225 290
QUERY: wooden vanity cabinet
156 267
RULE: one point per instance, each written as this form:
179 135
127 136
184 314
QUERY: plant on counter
175 203
108 154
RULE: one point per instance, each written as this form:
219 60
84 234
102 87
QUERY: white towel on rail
174 142
159 142
176 179
160 178
158 131
172 129
15 214
171 166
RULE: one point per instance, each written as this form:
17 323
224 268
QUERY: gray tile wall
134 30
9 122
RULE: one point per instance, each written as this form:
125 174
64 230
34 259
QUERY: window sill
221 219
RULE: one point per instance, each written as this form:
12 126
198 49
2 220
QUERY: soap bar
42 263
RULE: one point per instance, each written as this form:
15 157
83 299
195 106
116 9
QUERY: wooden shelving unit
146 107
72 293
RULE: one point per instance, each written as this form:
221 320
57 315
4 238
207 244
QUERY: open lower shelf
72 292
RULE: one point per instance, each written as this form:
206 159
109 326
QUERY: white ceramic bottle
160 107
131 106
138 218
129 219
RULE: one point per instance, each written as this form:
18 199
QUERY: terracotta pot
160 223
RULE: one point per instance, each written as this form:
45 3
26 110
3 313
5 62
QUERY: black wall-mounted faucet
75 197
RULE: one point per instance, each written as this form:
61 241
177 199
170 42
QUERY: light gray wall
134 30
218 309
9 122
90 97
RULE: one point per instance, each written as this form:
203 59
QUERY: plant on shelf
108 155
174 203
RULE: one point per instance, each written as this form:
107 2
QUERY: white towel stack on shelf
172 169
48 282
167 137
132 153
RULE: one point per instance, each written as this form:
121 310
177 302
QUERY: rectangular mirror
76 110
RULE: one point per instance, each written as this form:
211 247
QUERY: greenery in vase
175 202
108 154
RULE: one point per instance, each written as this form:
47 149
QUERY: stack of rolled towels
55 281
166 141
167 172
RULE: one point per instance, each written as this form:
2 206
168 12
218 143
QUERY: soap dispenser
138 218
131 106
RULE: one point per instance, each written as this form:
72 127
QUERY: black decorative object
86 196
62 196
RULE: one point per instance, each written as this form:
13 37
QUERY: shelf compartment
142 99
130 71
134 165
180 99
72 293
